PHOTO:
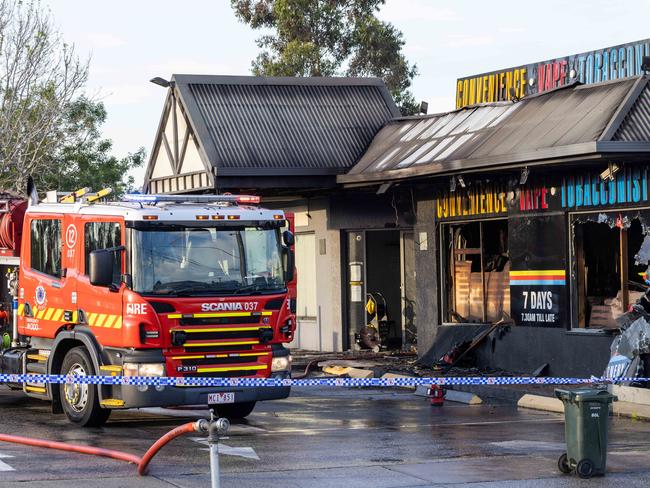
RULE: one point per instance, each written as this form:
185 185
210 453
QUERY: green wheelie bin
586 411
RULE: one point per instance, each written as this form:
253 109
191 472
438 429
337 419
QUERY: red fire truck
154 285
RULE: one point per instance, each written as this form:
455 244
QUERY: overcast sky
131 41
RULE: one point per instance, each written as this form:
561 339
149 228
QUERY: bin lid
586 395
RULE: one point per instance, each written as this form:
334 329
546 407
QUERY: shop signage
538 302
611 63
483 200
538 277
588 190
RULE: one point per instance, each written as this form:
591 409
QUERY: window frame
444 270
59 220
85 235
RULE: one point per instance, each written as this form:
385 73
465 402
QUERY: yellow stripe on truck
224 329
109 321
217 315
215 344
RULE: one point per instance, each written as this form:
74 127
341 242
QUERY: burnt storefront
533 214
563 251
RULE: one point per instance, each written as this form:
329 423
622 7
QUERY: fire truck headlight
282 363
144 369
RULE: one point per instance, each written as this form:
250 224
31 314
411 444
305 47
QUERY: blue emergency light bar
156 198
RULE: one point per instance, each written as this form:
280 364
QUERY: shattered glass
643 256
627 348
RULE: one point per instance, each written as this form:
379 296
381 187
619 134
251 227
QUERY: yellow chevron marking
222 369
91 318
21 308
100 320
75 316
109 321
48 313
118 323
58 314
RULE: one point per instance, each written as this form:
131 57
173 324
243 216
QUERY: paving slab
471 470
358 477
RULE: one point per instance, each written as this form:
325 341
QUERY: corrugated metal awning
575 121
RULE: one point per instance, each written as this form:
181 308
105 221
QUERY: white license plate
214 398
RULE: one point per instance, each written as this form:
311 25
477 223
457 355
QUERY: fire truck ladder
83 194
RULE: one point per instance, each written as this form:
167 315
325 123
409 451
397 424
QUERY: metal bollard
217 427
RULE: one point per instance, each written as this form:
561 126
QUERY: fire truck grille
228 374
226 360
208 349
230 334
216 365
219 321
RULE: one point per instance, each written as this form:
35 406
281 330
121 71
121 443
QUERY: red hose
62 446
142 462
11 224
168 437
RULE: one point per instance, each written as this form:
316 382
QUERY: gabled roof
570 122
255 126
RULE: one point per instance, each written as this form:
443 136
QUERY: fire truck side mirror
100 267
287 237
289 264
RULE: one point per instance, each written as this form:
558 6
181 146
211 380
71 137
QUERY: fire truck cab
154 285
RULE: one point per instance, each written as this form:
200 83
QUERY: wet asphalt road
321 437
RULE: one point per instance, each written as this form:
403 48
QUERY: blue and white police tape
311 382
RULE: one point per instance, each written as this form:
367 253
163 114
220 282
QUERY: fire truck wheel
234 410
81 402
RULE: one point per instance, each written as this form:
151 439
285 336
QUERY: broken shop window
630 351
609 276
476 272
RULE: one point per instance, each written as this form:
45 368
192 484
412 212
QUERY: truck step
41 390
39 368
37 357
112 403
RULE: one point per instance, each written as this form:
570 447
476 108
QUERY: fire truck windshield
207 260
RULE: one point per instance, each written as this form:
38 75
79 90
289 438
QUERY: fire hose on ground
203 426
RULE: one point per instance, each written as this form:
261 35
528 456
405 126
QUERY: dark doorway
383 278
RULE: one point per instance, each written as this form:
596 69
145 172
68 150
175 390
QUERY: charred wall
524 349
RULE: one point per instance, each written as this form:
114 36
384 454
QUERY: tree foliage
86 159
48 129
329 38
